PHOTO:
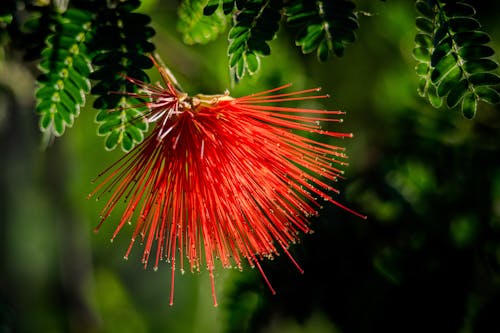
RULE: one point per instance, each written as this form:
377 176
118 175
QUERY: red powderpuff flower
225 178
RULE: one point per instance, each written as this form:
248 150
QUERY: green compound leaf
255 24
120 46
326 27
197 28
123 126
454 62
65 68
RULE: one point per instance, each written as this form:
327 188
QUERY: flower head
225 178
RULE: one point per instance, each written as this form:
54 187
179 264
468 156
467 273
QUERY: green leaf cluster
454 60
94 46
120 44
254 26
197 28
65 67
322 26
92 41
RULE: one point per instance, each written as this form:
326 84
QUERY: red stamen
227 179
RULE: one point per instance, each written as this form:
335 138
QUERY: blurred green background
426 260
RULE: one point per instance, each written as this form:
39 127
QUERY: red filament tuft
222 178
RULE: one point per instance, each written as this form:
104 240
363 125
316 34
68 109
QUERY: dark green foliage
120 45
454 64
197 27
7 11
227 6
65 67
105 33
254 26
34 32
429 247
324 26
241 311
